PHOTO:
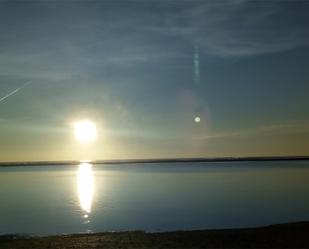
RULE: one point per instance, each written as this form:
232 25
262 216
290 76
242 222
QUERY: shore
291 235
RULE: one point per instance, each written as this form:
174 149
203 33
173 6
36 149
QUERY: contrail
13 92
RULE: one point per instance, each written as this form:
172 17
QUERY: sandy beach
292 235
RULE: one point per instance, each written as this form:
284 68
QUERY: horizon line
153 160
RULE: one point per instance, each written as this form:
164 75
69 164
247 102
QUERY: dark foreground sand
294 235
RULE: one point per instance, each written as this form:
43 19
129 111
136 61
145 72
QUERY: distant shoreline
160 160
289 235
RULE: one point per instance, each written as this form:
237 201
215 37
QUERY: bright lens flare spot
85 186
85 131
197 119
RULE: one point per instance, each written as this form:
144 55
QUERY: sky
143 71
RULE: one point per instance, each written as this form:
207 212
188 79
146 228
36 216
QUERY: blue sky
129 67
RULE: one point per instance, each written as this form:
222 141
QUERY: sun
85 131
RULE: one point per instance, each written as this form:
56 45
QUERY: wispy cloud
239 28
71 38
286 127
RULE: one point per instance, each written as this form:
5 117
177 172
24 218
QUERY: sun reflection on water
85 187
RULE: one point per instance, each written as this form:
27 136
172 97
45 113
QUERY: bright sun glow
85 131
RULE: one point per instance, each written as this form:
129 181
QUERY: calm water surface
153 197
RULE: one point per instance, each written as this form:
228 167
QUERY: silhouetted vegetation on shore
293 235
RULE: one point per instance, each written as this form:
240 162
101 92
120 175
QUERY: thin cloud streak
13 92
299 126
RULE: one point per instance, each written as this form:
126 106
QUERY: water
152 197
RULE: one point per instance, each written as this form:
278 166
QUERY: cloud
222 28
52 41
286 127
243 28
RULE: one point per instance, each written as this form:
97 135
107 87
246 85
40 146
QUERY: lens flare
197 119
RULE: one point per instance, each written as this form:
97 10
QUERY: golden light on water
85 186
85 131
